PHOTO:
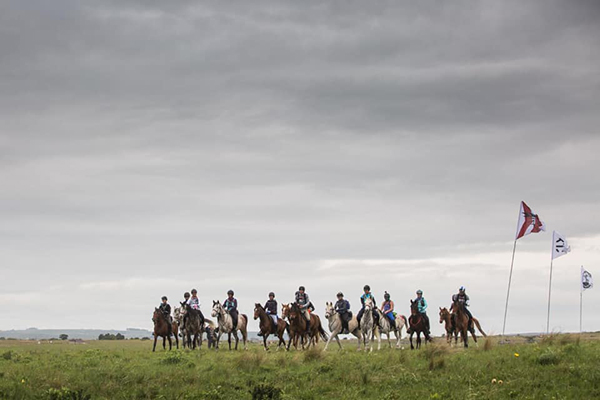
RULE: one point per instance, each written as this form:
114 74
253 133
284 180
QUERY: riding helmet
164 298
386 296
186 294
230 292
301 288
271 294
194 291
462 289
340 294
419 291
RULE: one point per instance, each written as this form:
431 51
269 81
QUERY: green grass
556 368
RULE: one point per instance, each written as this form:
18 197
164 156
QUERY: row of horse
191 325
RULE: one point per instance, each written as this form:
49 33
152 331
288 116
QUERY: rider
462 299
365 296
271 309
342 307
194 303
303 301
165 308
230 304
422 304
387 308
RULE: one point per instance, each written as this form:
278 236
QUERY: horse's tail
476 322
405 323
322 332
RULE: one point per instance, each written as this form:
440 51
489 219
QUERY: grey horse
335 326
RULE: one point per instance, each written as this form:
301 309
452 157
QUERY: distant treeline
110 336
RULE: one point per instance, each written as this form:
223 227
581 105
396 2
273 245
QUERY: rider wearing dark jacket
230 304
165 308
463 300
271 309
342 307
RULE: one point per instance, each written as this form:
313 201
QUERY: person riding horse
342 307
271 309
462 299
303 301
194 303
230 304
366 295
387 308
422 305
165 308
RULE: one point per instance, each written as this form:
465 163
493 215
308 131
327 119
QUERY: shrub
265 391
549 357
313 354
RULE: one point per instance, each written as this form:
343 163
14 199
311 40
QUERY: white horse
335 326
367 325
385 328
225 325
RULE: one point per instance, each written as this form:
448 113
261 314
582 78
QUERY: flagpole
580 300
509 281
549 293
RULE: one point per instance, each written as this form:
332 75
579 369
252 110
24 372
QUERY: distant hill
35 333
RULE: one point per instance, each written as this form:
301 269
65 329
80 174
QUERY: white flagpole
509 281
580 300
549 292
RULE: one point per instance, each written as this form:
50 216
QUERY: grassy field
558 367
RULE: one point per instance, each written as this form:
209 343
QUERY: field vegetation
555 367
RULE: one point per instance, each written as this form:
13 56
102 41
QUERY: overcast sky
148 147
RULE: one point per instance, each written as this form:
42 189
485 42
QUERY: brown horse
193 323
161 328
417 325
268 327
298 326
447 318
175 331
461 321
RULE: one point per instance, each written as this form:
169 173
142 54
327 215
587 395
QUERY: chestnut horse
461 321
268 327
298 324
447 318
417 325
161 328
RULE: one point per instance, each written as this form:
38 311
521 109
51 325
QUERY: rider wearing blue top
422 304
387 308
230 304
367 295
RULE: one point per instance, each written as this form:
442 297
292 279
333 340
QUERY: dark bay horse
298 325
268 327
192 326
161 328
417 325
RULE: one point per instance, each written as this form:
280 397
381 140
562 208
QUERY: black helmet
194 291
186 294
301 288
164 298
230 292
367 287
386 296
340 294
271 294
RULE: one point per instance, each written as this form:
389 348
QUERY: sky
152 147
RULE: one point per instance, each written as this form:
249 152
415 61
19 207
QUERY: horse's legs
333 335
412 347
419 340
154 347
229 339
236 339
177 341
465 336
170 343
218 339
164 342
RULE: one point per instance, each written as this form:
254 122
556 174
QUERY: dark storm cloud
143 139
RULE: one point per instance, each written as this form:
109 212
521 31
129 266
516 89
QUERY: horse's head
443 314
414 308
216 309
293 312
257 310
285 310
368 304
329 310
156 315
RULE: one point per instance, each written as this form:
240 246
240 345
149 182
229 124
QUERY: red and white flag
528 222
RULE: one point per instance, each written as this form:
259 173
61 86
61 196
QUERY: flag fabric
528 222
587 282
560 246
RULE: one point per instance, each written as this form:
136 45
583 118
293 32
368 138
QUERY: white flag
587 282
560 247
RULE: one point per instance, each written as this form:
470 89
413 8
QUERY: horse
447 318
367 325
268 327
417 325
298 324
385 327
178 313
161 328
194 321
225 325
335 326
461 321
